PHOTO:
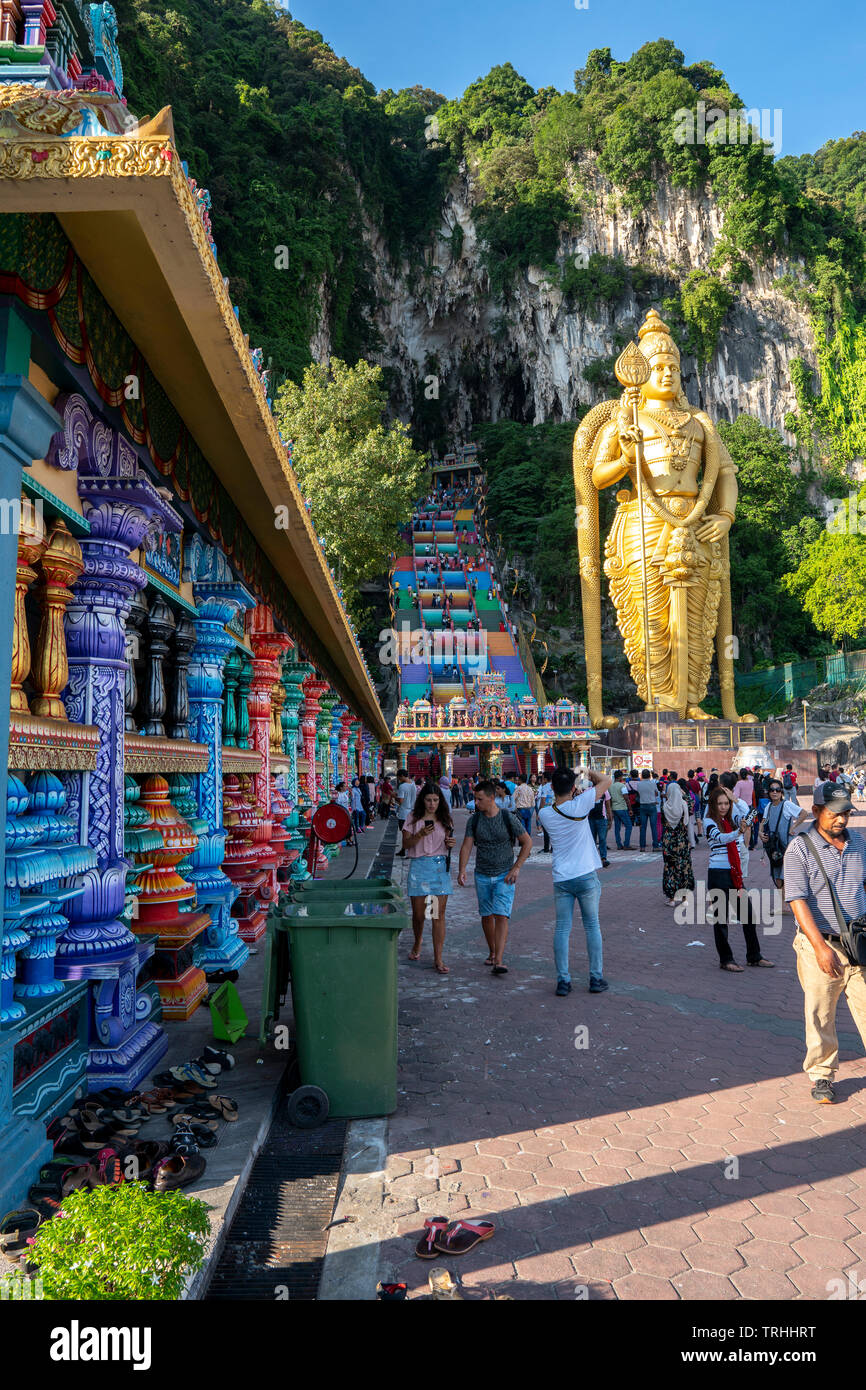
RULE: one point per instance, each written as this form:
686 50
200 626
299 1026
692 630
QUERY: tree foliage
774 520
831 584
296 149
361 477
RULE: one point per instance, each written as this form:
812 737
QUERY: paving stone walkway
655 1142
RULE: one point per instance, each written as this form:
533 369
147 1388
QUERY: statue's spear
632 370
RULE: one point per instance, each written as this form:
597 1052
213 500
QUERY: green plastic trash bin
324 891
351 889
344 993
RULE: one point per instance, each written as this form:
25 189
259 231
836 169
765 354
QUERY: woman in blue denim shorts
427 838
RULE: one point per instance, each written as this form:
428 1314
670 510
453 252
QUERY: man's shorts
495 896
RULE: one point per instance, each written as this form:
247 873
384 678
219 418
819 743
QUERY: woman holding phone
428 838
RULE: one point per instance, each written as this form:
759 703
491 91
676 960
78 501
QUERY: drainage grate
383 864
276 1244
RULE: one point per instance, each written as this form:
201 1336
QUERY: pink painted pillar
314 688
345 724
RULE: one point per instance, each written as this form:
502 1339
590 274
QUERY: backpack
509 826
787 781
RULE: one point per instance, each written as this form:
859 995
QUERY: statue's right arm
610 465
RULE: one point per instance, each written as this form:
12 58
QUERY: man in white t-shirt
406 793
575 860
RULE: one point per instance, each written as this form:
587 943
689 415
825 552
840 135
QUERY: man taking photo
824 871
575 860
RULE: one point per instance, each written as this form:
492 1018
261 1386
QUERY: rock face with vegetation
494 253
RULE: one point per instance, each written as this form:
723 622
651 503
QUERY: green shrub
121 1243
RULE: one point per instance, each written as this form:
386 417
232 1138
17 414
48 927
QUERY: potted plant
121 1243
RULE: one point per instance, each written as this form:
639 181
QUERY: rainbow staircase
449 580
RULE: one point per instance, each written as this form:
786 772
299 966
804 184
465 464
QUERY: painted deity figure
678 548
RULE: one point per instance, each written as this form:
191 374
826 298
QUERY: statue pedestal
680 744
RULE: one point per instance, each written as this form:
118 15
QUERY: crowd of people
813 860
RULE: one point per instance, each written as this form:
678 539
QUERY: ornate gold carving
278 699
31 542
241 760
37 745
142 753
61 565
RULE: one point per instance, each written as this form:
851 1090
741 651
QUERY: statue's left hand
714 528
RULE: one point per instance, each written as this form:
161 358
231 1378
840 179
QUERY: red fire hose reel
332 823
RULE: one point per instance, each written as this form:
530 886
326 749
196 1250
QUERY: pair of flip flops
442 1237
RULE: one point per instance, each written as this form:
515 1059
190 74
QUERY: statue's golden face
664 381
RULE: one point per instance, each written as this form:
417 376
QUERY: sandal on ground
202 1136
145 1155
499 970
108 1170
75 1178
196 1117
441 969
16 1228
767 964
158 1101
227 1107
434 1227
191 1071
732 967
414 955
463 1236
214 1060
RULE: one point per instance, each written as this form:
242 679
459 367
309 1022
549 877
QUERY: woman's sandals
456 1239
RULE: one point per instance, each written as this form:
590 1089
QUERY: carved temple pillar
323 751
32 540
178 708
334 744
160 628
245 679
314 688
354 728
62 563
231 672
292 676
446 753
268 647
346 720
218 597
10 21
121 505
39 16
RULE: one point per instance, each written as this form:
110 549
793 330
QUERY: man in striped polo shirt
823 967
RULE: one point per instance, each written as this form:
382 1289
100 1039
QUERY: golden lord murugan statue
666 556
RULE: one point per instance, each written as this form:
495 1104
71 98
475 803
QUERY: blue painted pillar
121 505
218 597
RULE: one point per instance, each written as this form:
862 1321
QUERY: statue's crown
655 337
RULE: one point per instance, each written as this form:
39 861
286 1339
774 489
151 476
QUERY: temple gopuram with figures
186 684
471 698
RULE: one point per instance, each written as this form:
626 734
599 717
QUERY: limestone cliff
522 355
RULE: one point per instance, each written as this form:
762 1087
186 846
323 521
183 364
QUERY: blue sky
806 59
